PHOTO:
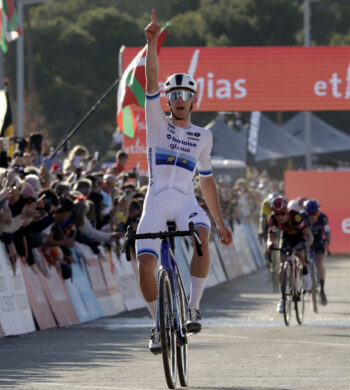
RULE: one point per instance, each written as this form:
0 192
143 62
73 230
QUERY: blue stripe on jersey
150 97
168 157
205 172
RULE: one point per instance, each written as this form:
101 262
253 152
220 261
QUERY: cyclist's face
179 106
282 217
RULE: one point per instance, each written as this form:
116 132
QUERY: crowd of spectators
242 199
47 203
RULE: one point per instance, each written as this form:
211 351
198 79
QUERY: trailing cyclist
322 238
265 211
175 148
296 235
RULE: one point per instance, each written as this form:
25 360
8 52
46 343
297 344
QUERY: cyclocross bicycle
292 287
172 301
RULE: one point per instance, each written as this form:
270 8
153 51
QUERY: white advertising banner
15 313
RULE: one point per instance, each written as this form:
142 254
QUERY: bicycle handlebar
130 236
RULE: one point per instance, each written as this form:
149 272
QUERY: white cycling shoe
194 325
154 342
280 306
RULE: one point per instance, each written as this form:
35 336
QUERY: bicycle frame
168 262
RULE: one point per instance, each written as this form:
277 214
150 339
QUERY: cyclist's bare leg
283 258
301 255
200 264
148 281
199 268
320 265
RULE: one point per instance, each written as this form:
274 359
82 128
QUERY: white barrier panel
128 283
110 274
97 280
229 259
15 313
253 244
215 264
260 247
37 298
82 286
58 297
242 248
2 333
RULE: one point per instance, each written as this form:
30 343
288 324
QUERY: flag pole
84 119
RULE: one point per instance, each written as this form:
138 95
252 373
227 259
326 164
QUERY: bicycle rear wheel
167 329
182 350
299 297
313 274
287 293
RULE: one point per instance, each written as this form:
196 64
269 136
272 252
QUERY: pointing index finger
153 15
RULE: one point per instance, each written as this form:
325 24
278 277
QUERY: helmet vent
178 79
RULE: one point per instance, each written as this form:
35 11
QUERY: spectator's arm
95 234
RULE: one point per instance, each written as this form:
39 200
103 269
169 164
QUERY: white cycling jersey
174 152
173 155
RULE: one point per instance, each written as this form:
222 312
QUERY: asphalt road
244 345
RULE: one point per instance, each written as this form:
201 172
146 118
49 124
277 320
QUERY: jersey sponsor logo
297 218
180 148
150 164
197 134
193 215
193 139
167 157
181 141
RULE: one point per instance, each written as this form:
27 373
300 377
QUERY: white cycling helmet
180 80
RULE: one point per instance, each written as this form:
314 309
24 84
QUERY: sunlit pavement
244 345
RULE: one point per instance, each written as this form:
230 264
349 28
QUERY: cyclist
265 211
322 238
296 235
175 147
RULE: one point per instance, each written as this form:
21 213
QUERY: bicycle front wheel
287 293
299 297
167 329
182 350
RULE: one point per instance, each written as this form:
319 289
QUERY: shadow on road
36 356
238 388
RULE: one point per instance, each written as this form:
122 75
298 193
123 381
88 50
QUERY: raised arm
152 32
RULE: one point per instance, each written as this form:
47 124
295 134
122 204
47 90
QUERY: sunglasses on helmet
185 95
